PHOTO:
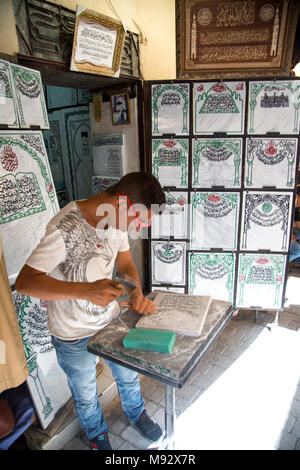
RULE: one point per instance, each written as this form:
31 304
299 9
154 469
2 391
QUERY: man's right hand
102 292
38 284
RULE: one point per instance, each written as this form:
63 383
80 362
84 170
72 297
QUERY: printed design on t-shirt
82 244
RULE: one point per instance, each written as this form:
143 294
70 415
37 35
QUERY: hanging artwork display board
109 155
8 110
27 195
226 153
27 203
46 382
29 95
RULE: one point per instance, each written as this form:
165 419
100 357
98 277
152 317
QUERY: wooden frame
235 39
94 27
120 108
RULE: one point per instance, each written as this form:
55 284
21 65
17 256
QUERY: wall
153 19
131 139
8 33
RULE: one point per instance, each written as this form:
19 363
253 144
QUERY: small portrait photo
120 108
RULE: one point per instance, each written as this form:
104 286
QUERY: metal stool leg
169 416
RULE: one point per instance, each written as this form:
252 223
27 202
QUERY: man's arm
138 302
38 284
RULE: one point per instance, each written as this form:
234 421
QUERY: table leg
169 416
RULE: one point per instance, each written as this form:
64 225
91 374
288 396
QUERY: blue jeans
295 251
80 368
295 248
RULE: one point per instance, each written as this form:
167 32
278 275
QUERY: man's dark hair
140 188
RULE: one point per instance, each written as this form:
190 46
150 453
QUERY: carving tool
126 281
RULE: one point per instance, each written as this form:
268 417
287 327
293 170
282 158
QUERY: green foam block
150 340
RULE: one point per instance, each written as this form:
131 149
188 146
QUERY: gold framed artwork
120 108
98 43
236 39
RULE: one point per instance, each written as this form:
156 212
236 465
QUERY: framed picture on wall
98 43
235 38
120 108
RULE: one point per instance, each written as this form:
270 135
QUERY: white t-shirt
72 250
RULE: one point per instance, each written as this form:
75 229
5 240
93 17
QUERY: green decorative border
227 260
15 70
245 263
203 96
10 139
30 355
185 107
183 161
256 87
234 145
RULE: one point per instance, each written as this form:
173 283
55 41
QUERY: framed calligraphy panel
274 107
46 382
219 107
27 196
168 263
212 274
170 108
173 220
8 111
170 162
266 221
29 94
260 280
214 220
98 43
270 162
217 162
235 39
109 155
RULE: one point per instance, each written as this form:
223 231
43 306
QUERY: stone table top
174 368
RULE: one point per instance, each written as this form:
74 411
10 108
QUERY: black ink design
81 243
30 89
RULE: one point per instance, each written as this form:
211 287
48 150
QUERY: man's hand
141 304
103 292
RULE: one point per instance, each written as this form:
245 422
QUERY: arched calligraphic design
172 96
266 209
168 263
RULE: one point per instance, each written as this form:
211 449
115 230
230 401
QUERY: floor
245 393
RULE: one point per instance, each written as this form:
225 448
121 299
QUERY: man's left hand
141 304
